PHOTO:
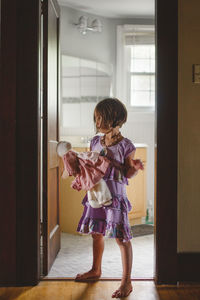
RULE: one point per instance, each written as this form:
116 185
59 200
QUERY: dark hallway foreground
102 290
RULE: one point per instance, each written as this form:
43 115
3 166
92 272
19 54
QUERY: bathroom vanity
137 189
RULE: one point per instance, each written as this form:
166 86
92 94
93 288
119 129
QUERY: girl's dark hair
112 111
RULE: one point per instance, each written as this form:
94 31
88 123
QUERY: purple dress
112 221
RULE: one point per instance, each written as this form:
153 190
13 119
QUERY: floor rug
142 229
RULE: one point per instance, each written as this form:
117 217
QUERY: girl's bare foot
124 290
87 276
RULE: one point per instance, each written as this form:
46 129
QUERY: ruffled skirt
111 221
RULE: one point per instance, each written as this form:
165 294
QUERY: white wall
188 128
102 47
94 46
99 47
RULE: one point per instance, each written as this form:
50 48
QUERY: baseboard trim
188 266
101 279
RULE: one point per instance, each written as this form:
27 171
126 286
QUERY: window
135 68
142 76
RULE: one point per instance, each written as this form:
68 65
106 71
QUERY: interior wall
86 46
92 46
188 128
103 48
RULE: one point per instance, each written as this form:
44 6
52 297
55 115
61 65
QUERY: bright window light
142 76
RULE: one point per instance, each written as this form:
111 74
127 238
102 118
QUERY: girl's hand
138 164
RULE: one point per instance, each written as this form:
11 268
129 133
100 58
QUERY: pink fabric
71 163
89 171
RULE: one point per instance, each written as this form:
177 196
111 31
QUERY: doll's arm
71 163
65 174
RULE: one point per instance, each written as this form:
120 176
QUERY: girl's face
99 125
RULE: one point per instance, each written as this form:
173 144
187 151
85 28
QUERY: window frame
135 108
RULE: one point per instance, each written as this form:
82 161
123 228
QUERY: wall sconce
83 27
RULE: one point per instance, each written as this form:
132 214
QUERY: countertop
84 141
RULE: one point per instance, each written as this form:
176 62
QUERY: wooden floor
102 290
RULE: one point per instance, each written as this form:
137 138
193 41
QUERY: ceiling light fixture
82 25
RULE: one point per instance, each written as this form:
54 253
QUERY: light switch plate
196 73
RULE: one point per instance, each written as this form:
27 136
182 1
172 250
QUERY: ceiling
114 8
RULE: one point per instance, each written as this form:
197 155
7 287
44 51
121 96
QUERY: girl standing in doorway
111 221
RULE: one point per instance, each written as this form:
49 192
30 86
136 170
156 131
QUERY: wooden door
51 224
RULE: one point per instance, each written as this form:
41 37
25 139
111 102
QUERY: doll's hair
112 111
63 147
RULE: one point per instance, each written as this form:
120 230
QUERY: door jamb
167 139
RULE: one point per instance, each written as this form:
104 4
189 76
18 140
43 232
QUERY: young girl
111 221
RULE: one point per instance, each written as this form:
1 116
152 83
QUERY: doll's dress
88 169
111 221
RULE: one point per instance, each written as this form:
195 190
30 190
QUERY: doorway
146 216
84 81
23 257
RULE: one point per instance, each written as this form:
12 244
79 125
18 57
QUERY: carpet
142 229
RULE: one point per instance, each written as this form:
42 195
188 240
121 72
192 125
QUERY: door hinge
41 228
42 6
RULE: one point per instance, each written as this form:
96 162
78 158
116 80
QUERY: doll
88 168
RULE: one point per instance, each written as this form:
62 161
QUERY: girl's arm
132 165
129 169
